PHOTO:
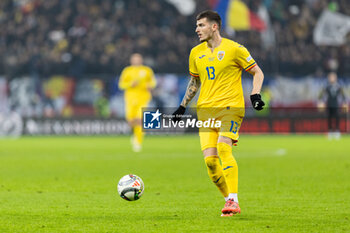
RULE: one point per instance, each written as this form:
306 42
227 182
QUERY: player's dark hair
212 16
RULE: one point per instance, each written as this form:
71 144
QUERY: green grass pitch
69 184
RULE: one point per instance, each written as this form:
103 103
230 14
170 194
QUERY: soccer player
331 97
137 80
216 65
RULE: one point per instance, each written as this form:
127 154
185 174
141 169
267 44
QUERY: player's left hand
178 113
257 102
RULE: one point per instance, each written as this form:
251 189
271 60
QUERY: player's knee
223 147
211 151
225 139
212 163
211 166
213 170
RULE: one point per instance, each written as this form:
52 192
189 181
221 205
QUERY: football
130 187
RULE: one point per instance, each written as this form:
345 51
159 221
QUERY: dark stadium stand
64 57
97 36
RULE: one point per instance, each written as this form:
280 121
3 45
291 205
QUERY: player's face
332 78
204 29
136 59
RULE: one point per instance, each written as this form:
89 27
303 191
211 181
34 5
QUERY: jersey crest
221 55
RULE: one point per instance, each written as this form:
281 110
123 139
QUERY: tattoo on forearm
192 88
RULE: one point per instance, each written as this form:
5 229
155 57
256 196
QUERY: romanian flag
236 15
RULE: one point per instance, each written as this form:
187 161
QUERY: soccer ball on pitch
130 187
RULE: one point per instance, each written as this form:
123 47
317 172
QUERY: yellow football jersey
144 78
220 73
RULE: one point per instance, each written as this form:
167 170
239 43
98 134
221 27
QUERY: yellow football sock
229 166
138 134
216 174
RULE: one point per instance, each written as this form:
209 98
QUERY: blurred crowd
294 52
75 38
91 36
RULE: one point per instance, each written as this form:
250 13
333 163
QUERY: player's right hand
134 83
257 102
345 108
177 115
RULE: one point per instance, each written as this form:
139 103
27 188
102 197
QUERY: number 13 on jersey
210 72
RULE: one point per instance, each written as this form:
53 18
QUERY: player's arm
321 99
192 89
152 82
342 95
124 81
258 79
322 94
343 100
245 60
194 83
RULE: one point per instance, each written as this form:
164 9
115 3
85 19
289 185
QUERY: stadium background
63 58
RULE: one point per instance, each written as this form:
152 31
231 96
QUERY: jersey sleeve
244 59
124 81
192 65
